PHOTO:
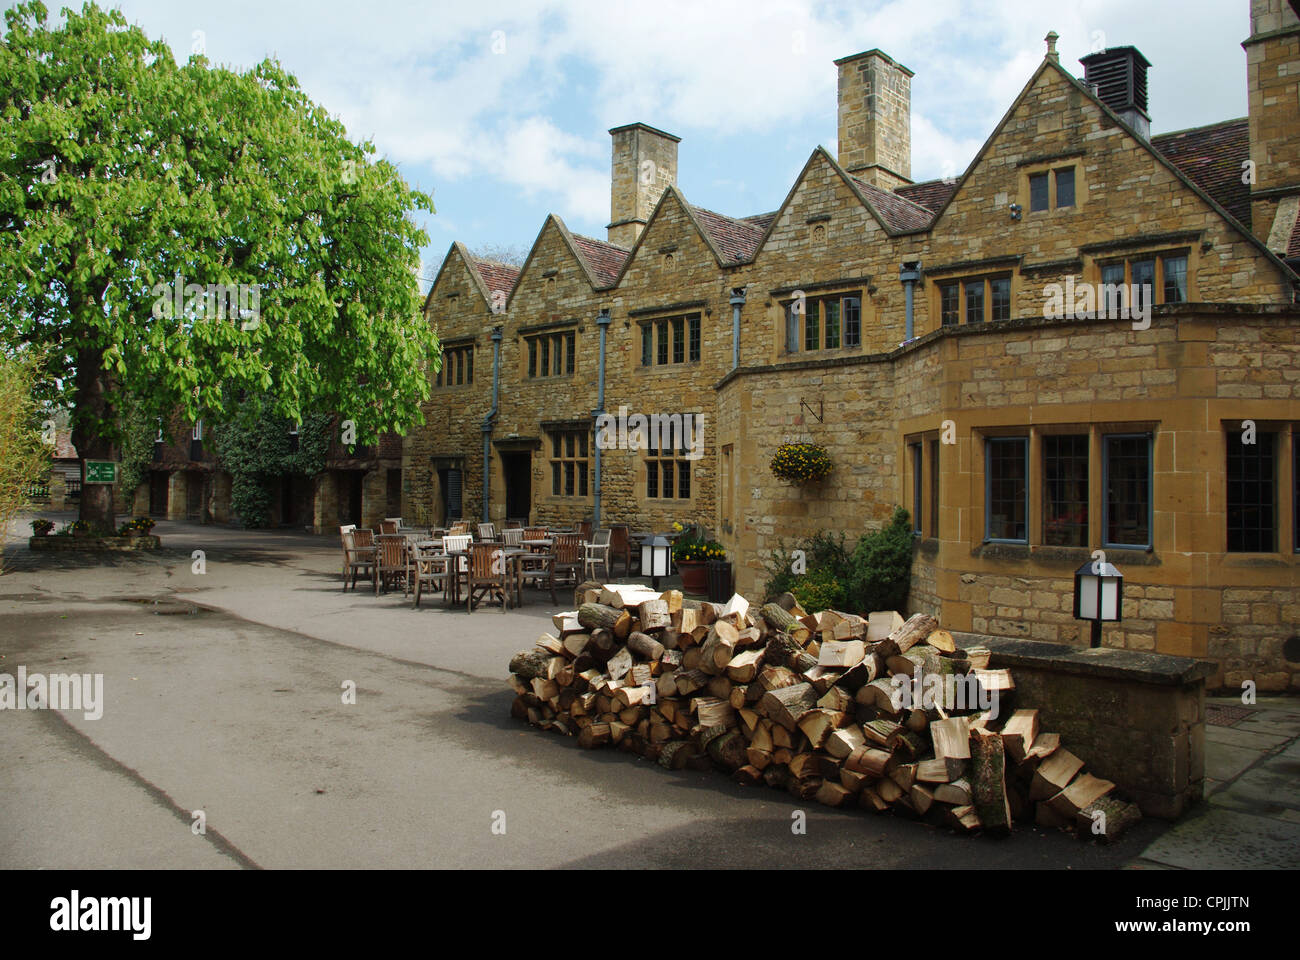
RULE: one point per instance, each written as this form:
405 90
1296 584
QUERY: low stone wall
1135 718
94 544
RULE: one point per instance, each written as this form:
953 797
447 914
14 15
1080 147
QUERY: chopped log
904 775
644 646
688 681
530 663
833 794
619 664
957 792
995 681
804 765
882 623
844 741
843 654
818 724
951 743
785 705
1054 774
922 799
550 644
916 720
871 761
712 712
1044 745
853 781
1082 792
883 733
870 668
718 648
776 775
597 616
1106 817
917 627
942 640
869 799
988 782
774 678
653 615
719 687
836 699
744 666
805 788
782 651
544 689
709 612
758 758
979 657
963 818
595 735
728 750
1045 816
673 598
933 771
748 775
1019 732
737 608
889 791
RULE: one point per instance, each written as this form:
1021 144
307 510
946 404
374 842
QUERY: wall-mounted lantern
1098 596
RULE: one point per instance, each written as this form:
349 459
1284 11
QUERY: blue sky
501 108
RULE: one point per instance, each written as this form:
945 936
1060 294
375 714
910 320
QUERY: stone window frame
681 462
961 282
1280 461
1052 167
670 335
1159 255
558 438
540 349
799 329
990 440
1106 437
1097 431
924 484
457 357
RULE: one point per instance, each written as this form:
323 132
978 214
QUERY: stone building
1087 341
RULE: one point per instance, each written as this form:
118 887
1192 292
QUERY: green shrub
819 589
881 566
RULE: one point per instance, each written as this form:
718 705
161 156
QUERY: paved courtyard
223 694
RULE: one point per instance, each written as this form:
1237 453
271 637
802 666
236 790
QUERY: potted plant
42 527
79 529
691 554
138 527
801 462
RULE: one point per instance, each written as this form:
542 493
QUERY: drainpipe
602 321
737 301
488 421
910 273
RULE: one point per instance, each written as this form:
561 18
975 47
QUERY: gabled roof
496 275
737 239
603 260
931 194
1210 157
899 213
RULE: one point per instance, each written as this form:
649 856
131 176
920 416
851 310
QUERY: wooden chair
458 527
534 533
344 533
386 527
538 570
487 575
487 531
513 536
620 545
396 520
359 557
392 562
584 529
451 544
568 555
596 553
431 566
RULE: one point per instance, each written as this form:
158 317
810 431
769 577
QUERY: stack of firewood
829 706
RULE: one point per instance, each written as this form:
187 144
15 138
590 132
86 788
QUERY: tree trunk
91 412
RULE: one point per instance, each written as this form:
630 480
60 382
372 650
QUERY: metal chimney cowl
1119 76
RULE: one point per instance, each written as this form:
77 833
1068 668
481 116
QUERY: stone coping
1111 663
94 544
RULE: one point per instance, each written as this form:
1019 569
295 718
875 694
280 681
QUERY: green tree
23 457
187 233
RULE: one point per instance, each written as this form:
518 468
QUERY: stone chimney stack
1273 95
1119 75
644 166
875 119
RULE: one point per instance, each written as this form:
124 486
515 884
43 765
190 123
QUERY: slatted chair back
534 533
361 537
392 555
457 542
487 531
600 538
387 527
486 561
347 528
567 548
513 536
458 527
584 529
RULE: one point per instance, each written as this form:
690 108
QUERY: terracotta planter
695 575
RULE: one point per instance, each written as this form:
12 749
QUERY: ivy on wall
256 449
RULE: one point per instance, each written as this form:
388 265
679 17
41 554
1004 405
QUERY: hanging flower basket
801 462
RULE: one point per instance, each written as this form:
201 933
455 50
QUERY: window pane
1112 299
792 327
975 301
679 339
647 344
950 300
662 332
568 478
1065 187
684 480
812 327
1038 191
652 478
460 366
852 322
666 473
934 488
1144 274
915 450
570 442
555 445
555 478
544 370
695 339
582 445
571 340
832 324
532 358
1000 290
469 365
1251 501
1007 488
1175 279
1065 491
1128 491
582 478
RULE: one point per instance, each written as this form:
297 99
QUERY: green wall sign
101 471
